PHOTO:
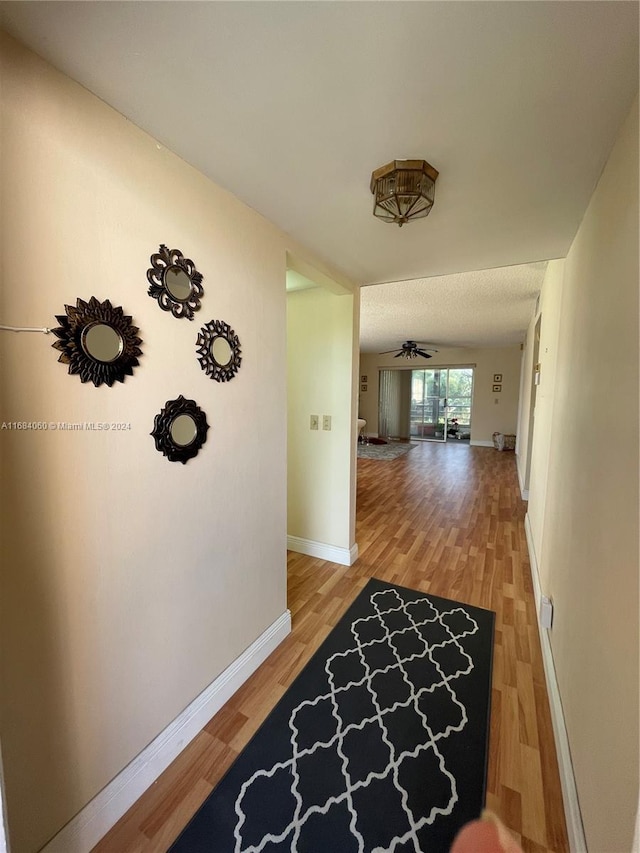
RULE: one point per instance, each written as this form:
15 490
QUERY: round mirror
102 342
221 351
183 430
177 283
180 429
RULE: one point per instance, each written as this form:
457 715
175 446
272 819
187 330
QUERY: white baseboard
476 443
343 556
84 831
4 844
575 828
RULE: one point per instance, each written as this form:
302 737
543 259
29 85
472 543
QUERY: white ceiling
291 105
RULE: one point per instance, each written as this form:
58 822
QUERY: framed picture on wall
497 387
363 387
497 377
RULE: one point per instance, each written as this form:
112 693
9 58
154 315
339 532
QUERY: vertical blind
394 399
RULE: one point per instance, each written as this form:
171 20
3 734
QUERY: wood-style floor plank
443 519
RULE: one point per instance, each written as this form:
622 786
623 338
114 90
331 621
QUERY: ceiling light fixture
411 349
403 190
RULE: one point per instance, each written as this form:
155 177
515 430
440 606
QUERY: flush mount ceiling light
403 190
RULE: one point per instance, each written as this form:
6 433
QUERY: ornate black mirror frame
164 263
207 337
162 429
73 333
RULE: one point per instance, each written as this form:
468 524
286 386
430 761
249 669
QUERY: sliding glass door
432 404
428 404
441 403
459 396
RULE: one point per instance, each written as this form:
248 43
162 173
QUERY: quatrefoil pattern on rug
379 744
388 702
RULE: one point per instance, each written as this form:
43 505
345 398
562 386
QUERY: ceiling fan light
403 190
411 349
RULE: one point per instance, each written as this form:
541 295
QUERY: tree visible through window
459 397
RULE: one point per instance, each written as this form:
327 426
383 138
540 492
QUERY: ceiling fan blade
386 352
398 354
424 354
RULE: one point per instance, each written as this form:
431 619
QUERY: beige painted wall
128 582
490 412
589 499
320 332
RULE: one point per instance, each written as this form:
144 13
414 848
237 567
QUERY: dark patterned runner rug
380 744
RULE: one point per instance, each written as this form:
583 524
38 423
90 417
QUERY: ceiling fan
411 349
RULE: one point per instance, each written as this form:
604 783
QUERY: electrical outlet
326 422
314 422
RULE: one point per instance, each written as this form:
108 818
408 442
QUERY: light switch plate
314 422
546 612
326 422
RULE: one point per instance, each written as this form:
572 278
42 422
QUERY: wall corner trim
573 817
84 831
524 493
332 553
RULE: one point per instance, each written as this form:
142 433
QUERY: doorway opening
535 378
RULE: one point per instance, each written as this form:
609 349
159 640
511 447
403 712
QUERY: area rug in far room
384 451
380 744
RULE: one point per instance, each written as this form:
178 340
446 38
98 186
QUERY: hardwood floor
445 519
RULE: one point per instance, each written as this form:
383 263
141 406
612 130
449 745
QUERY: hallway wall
129 583
321 327
584 505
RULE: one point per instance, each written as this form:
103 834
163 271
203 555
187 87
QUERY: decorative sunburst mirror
218 349
98 342
175 282
180 429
